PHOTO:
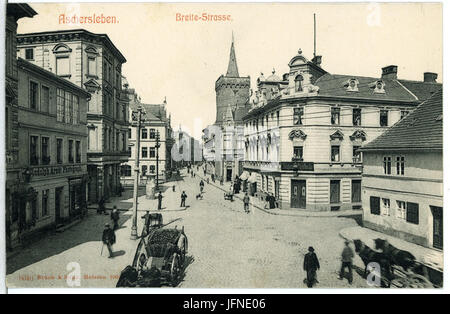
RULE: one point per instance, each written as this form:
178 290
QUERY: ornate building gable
337 135
358 135
297 134
92 86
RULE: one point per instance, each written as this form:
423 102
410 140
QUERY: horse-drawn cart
159 257
398 268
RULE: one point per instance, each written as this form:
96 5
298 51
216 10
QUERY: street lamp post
158 145
138 118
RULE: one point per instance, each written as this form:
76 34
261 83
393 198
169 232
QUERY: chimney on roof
429 77
389 72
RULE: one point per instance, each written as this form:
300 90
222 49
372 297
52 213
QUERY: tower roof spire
232 64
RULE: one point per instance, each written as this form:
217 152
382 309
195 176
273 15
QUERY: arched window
298 83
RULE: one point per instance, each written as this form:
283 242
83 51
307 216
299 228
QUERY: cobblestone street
228 248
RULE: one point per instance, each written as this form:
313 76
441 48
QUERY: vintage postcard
224 145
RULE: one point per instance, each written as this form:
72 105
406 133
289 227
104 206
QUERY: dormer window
378 87
298 83
352 85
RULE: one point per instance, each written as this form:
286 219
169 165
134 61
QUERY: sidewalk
427 256
257 203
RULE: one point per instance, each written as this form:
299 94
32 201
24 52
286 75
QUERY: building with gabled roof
304 130
403 177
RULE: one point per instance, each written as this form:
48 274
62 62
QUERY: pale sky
182 60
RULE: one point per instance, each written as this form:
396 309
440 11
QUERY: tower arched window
298 83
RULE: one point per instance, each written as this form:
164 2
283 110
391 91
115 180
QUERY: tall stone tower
232 90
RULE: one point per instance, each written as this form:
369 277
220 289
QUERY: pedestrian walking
311 266
347 262
183 199
247 203
101 206
160 197
115 218
173 188
108 239
146 218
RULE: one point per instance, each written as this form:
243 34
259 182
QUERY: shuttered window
412 213
374 205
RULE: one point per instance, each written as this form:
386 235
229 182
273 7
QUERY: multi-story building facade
14 174
403 177
92 62
52 150
304 132
187 150
232 94
155 128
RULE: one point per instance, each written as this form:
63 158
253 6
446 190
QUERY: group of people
311 265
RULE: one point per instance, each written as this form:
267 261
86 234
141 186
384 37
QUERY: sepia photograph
223 145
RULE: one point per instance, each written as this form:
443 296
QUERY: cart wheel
175 269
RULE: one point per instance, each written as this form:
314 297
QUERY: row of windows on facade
404 210
43 157
63 66
335 188
109 140
335 118
146 133
298 153
126 170
145 152
67 104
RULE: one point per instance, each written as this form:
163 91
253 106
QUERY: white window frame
385 207
401 210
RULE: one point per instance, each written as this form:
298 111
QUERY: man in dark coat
183 199
160 197
146 218
109 238
246 203
311 265
347 262
115 218
101 206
